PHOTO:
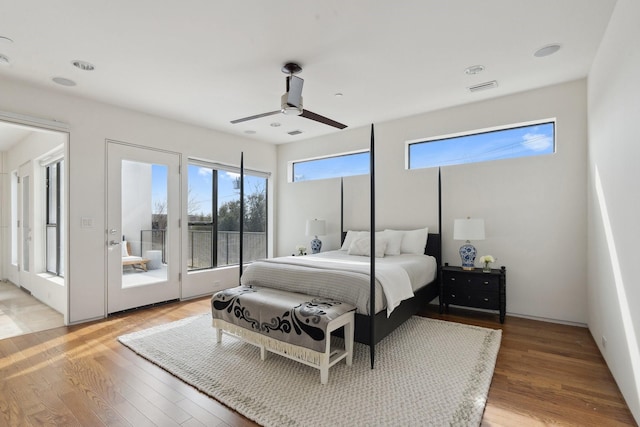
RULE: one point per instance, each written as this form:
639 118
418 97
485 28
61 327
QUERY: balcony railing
200 246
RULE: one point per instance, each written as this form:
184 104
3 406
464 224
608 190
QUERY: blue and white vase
316 245
468 256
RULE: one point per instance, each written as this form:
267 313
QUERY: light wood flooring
21 313
546 374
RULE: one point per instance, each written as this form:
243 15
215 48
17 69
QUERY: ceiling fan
291 101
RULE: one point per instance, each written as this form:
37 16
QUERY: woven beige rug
427 372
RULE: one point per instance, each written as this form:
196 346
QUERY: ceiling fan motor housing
287 108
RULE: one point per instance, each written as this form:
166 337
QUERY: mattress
343 277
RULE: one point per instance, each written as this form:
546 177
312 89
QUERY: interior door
25 231
143 220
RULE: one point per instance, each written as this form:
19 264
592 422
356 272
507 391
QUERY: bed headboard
433 246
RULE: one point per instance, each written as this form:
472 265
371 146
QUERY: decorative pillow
348 239
362 246
394 241
125 252
414 241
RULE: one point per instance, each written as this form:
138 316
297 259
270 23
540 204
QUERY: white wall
614 200
90 124
136 202
534 208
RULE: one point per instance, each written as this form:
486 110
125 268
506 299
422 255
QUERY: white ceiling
208 62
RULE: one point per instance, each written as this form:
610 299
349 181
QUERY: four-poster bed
316 276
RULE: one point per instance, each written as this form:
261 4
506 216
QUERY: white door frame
117 297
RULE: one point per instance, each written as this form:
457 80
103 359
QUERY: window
347 164
54 175
531 139
213 207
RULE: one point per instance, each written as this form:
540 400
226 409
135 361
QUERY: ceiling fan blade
257 116
322 119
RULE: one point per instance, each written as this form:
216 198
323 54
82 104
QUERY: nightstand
474 288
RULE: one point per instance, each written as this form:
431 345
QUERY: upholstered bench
290 324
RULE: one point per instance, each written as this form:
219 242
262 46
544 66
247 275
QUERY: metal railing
200 246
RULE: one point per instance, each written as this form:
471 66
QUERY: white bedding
344 277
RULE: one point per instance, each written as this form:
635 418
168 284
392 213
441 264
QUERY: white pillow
348 239
414 241
362 246
125 252
394 241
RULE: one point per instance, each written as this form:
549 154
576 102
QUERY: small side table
474 288
155 259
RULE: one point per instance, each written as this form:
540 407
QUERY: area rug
427 372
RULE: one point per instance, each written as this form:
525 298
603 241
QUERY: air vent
295 132
483 86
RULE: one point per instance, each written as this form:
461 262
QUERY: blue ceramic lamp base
467 256
316 245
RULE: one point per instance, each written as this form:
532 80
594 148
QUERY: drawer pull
486 283
486 299
453 279
453 295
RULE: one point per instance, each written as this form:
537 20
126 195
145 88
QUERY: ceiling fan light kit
291 100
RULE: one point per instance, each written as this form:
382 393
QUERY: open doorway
33 217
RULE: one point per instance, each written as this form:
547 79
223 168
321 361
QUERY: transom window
522 140
347 164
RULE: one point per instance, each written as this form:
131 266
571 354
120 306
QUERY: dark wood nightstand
474 288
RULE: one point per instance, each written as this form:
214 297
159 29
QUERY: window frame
291 165
216 168
58 166
482 131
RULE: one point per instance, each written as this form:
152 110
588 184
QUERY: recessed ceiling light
339 95
474 69
250 132
275 125
4 60
64 82
295 132
547 50
83 65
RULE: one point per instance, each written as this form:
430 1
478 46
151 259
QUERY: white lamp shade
468 229
316 227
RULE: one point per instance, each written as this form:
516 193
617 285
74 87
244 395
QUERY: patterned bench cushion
289 317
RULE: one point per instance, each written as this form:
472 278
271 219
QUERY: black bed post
372 274
341 209
241 212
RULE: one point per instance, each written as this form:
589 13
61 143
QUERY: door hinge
18 180
180 223
18 223
179 277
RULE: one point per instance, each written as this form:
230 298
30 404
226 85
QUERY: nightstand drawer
489 301
486 283
473 282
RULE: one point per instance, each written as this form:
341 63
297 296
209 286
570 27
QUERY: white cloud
204 172
231 175
537 141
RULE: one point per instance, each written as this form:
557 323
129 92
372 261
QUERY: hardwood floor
546 374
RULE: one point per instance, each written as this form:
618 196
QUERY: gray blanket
292 318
